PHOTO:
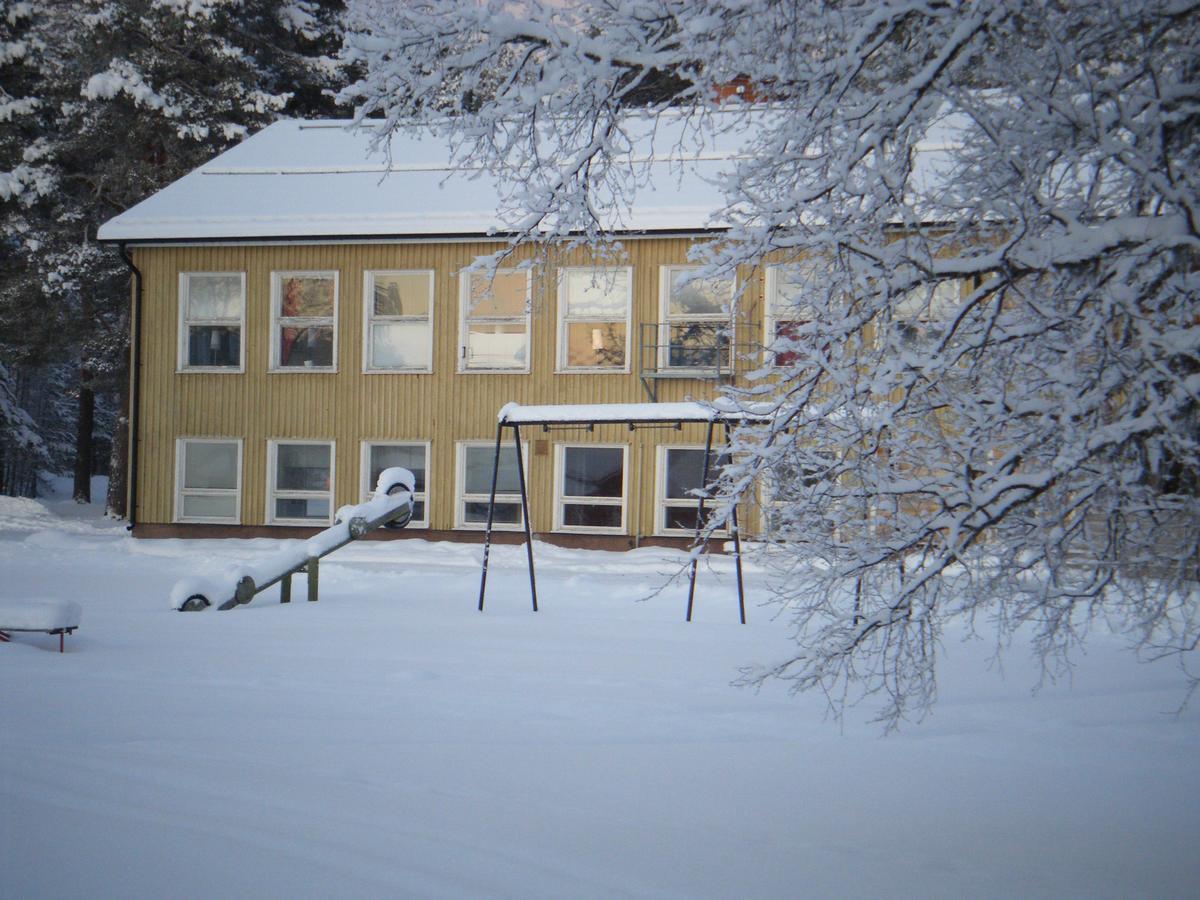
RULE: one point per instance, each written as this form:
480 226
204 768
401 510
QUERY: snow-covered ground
392 741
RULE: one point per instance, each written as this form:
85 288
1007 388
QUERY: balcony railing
707 351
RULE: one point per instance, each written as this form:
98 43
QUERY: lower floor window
475 461
680 476
378 456
208 480
590 488
789 510
300 482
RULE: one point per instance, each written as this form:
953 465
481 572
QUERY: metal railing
707 351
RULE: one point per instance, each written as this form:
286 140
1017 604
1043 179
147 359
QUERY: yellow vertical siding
349 406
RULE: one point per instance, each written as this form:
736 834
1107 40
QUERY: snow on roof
608 413
319 179
516 414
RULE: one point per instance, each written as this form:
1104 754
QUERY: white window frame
278 321
273 446
771 317
662 501
184 323
461 498
370 318
367 489
666 320
181 490
464 297
923 314
560 499
600 273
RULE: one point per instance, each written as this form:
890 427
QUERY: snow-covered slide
390 506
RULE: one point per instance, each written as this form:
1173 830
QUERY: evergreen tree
125 97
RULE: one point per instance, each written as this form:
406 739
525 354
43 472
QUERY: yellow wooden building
306 314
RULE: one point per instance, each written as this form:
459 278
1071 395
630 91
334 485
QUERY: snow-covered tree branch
986 219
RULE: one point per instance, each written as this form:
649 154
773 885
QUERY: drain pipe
135 386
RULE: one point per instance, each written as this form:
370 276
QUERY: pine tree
130 95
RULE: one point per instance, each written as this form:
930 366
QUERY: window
212 308
696 316
380 455
590 488
475 485
300 482
786 287
593 317
680 473
788 486
208 480
304 321
399 329
918 317
495 321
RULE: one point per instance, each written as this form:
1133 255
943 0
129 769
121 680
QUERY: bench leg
4 638
61 636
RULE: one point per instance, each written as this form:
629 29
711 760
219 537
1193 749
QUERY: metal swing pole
699 521
737 546
525 515
487 534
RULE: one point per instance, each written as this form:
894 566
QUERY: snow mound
39 615
23 515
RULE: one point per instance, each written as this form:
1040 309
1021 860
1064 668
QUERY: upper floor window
399 327
787 286
212 313
208 480
304 321
495 321
919 316
697 320
593 319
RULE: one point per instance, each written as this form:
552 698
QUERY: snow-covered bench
59 617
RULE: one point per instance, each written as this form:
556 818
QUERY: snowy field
392 741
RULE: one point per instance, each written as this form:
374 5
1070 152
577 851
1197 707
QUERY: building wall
348 406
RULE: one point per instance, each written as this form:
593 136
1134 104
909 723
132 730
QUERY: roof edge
376 238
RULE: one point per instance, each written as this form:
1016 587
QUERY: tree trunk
83 443
118 460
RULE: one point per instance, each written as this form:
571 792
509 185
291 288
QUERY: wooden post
313 569
285 588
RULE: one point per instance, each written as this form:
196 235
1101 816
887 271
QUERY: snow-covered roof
320 179
622 413
599 413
